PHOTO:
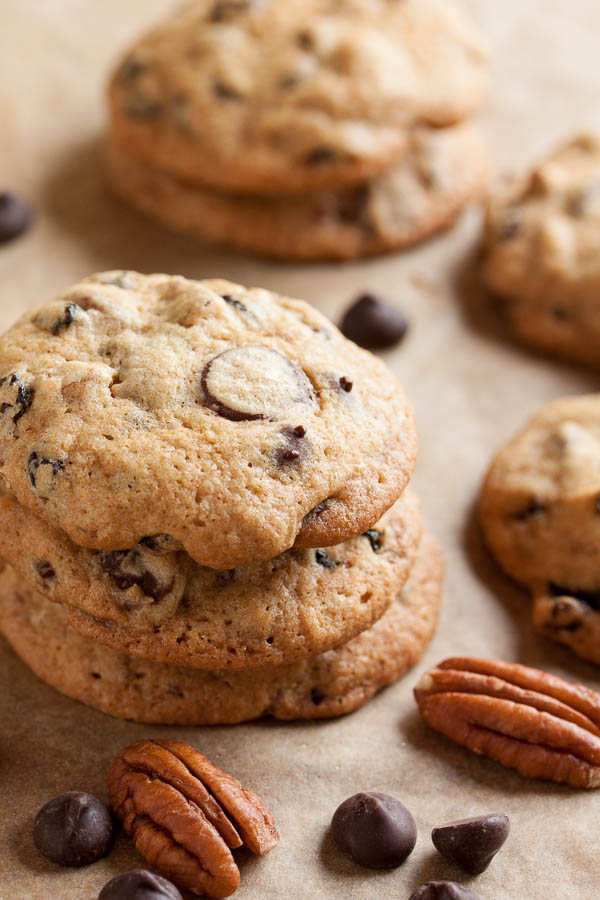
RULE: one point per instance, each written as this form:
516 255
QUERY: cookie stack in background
310 129
206 516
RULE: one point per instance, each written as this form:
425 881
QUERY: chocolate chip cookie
441 173
226 421
541 252
157 603
331 684
540 513
277 97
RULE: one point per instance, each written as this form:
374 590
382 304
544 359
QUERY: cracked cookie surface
281 97
541 252
234 421
442 172
157 603
540 513
334 683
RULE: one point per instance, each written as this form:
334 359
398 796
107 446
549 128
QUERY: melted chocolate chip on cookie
126 570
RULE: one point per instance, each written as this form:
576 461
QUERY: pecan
528 720
185 815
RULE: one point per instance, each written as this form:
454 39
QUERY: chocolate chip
590 598
560 313
443 890
305 40
73 829
142 107
296 449
375 539
472 843
317 696
226 9
373 324
534 508
45 569
225 577
125 569
323 559
15 216
16 396
237 304
35 462
225 91
319 156
161 543
346 384
131 69
139 884
375 830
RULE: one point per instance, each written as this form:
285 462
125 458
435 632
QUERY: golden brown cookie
541 252
441 173
332 684
271 97
234 421
540 514
159 604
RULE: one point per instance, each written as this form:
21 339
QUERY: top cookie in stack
154 430
308 129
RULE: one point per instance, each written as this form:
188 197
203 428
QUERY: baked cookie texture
205 416
272 97
541 252
441 172
332 684
160 605
540 514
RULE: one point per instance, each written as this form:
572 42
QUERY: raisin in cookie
277 97
235 421
331 684
443 171
159 604
540 513
541 252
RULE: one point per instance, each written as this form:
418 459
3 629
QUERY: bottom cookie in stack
444 170
336 682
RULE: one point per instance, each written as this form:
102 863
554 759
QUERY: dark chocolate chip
346 384
74 829
323 559
225 577
226 9
375 539
45 569
296 448
237 304
472 843
225 91
66 319
443 890
18 396
131 69
139 884
15 216
375 830
320 156
161 543
534 508
590 598
35 462
371 323
114 563
317 696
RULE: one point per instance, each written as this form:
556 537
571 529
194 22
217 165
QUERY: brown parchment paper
471 390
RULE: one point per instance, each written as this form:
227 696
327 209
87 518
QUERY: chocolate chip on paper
374 324
443 890
375 830
472 843
74 829
139 884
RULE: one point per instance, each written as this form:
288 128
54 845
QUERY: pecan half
528 720
185 815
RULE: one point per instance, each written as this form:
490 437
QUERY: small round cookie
236 421
271 97
541 252
159 604
443 171
540 514
332 684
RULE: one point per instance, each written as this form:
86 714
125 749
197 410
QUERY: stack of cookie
309 129
205 515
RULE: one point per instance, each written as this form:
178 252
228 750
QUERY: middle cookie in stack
309 129
165 442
